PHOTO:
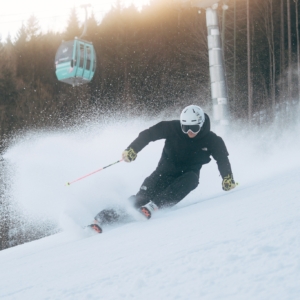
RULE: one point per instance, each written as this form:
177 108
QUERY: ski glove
228 183
129 155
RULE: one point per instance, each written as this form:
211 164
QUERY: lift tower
219 91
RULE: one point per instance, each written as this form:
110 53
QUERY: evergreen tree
72 29
20 46
32 28
8 89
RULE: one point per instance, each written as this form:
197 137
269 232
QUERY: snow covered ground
242 244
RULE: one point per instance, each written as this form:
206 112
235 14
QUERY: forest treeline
152 60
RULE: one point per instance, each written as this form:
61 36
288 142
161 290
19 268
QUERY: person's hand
129 155
228 183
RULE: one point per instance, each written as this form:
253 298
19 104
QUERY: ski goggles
193 128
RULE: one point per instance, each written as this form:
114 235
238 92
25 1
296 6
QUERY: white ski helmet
190 116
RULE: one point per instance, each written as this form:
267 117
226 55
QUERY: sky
52 15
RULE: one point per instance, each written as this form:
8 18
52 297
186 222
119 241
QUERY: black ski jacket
182 153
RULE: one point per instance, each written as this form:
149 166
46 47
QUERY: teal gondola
75 62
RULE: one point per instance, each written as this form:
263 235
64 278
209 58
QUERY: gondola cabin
75 62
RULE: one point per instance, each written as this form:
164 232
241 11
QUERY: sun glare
52 15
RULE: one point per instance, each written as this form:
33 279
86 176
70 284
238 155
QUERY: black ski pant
166 188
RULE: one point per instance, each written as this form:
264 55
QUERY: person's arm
154 133
220 154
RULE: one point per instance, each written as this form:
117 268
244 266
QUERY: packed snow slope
242 244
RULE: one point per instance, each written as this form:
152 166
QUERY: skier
189 143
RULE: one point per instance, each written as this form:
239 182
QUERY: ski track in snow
242 244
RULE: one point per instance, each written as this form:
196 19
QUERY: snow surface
242 244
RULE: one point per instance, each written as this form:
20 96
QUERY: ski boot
148 209
112 216
95 227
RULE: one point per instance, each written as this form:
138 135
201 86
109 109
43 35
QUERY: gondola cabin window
64 53
81 47
88 58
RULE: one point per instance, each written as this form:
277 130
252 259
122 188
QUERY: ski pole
69 183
